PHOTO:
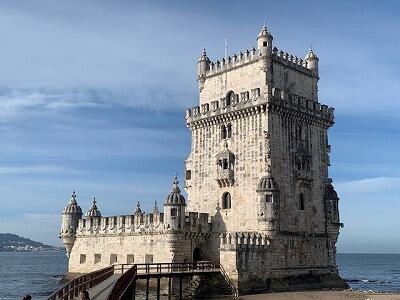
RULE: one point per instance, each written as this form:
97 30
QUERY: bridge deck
102 290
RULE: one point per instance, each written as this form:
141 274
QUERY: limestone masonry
260 201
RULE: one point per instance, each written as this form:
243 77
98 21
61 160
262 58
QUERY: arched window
299 132
226 200
268 198
173 212
229 97
225 164
229 131
301 202
223 132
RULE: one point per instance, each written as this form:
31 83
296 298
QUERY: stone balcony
225 177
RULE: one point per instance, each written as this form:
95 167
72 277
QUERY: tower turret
174 208
70 218
268 213
93 211
203 65
312 60
264 41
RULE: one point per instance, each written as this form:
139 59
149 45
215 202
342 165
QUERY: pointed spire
268 171
94 206
155 208
138 210
175 186
73 198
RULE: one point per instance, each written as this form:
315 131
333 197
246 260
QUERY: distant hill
14 243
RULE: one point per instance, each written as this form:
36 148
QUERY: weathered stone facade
257 173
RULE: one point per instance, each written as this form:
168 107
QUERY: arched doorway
197 255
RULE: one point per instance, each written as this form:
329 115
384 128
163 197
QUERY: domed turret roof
73 207
93 211
204 56
175 197
311 55
267 183
264 32
330 192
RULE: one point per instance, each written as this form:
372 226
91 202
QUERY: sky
92 99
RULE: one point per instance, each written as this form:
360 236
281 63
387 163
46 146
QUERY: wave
365 280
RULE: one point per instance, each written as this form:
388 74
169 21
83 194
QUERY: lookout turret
70 218
203 66
174 208
264 40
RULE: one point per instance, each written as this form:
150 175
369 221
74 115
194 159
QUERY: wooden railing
125 285
81 283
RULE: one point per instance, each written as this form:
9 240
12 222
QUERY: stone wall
90 253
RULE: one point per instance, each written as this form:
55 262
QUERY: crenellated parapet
232 106
291 61
141 223
251 102
301 107
249 241
233 62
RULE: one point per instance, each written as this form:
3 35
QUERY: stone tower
71 215
259 160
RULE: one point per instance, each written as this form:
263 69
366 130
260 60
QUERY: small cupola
93 211
175 197
203 65
312 61
73 207
264 39
268 184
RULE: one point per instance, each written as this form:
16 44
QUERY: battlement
301 104
250 102
291 61
139 223
251 56
235 240
231 62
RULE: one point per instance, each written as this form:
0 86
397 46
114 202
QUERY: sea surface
37 273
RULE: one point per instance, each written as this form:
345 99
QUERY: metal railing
81 283
229 281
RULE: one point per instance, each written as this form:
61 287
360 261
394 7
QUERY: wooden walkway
119 281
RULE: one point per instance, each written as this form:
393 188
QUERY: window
225 164
226 131
265 44
188 174
148 258
174 212
226 201
82 258
223 132
299 132
229 98
130 259
97 258
113 258
301 202
268 198
229 131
